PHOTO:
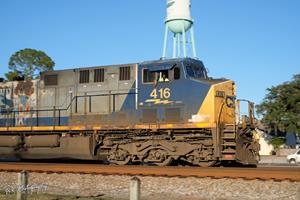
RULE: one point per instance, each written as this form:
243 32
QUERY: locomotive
157 112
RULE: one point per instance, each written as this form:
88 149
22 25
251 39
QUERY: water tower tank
179 22
179 15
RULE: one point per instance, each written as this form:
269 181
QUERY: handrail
59 110
250 111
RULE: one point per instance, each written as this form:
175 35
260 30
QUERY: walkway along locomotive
150 112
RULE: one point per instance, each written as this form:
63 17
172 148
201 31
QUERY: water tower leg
183 42
178 45
165 43
193 42
174 45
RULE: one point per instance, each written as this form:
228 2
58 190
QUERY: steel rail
266 173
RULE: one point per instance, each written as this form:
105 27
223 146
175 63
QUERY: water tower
179 22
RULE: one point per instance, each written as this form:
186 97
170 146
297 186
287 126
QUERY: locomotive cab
179 91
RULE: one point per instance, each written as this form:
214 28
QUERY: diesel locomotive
158 112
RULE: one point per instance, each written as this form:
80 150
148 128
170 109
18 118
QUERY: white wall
265 148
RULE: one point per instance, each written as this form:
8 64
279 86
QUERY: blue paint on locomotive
184 93
129 103
6 122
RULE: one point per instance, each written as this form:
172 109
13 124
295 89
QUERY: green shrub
277 142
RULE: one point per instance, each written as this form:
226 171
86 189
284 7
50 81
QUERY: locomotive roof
91 67
173 60
153 62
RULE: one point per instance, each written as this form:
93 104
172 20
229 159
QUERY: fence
22 189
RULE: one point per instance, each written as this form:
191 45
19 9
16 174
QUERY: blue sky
254 42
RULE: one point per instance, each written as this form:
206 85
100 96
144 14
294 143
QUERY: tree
280 108
14 76
28 63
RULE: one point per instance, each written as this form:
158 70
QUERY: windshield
195 71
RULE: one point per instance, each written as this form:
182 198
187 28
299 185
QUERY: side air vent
124 73
50 80
149 115
98 75
84 76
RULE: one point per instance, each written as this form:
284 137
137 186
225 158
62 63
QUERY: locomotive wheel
158 157
121 162
166 162
207 163
119 157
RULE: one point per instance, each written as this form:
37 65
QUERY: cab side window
176 73
161 76
164 76
148 77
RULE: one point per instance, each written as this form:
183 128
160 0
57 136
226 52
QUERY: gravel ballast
152 187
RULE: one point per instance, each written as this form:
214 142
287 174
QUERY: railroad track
266 173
